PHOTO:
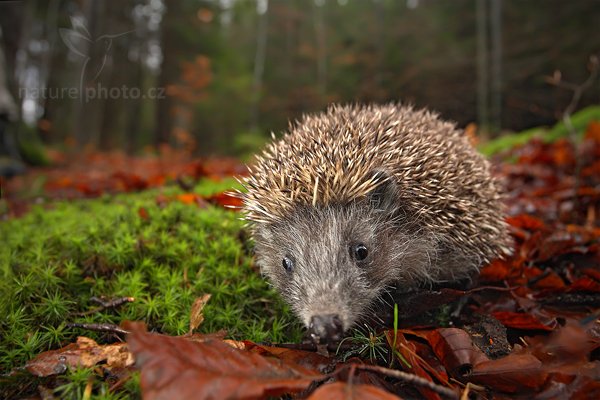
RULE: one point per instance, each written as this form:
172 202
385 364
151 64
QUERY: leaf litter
528 329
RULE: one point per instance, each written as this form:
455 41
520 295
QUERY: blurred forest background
218 76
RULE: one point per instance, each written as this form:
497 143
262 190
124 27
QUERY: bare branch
106 304
112 328
411 378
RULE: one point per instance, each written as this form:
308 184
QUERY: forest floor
97 241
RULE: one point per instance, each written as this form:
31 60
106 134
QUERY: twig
411 378
465 393
404 376
106 304
468 388
112 328
496 288
578 90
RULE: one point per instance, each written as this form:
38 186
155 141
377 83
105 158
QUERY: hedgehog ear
385 196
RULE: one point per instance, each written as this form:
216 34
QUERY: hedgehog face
319 259
331 263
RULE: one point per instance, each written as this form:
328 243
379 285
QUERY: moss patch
53 261
580 121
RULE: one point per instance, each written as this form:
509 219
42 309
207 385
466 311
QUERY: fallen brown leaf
175 367
521 320
84 353
345 390
196 315
456 350
514 373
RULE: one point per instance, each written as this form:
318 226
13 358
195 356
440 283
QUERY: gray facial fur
327 279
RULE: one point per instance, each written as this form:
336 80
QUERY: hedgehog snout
326 328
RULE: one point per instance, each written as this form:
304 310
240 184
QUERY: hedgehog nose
326 328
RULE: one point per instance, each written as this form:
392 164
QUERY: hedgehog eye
288 264
359 252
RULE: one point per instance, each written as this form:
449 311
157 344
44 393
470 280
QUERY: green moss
507 142
580 121
53 261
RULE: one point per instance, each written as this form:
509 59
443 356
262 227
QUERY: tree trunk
11 21
321 41
496 39
259 60
169 71
118 73
482 67
135 110
89 110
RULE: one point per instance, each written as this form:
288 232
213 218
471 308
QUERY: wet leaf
521 321
525 221
175 367
513 373
416 365
345 390
456 350
190 198
308 359
196 315
227 200
84 353
498 270
585 284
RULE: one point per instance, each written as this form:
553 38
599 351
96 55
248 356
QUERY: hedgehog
356 200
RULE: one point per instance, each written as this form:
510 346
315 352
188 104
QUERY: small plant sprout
394 349
369 345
